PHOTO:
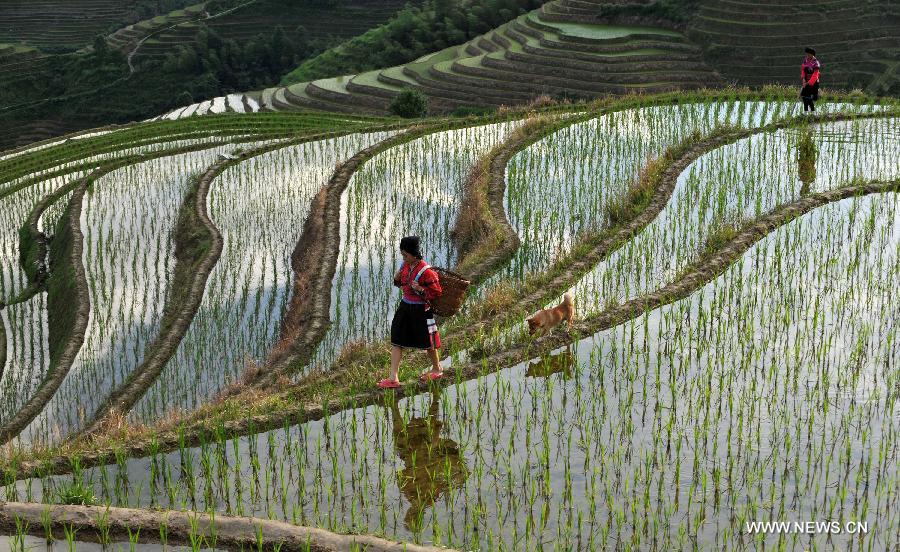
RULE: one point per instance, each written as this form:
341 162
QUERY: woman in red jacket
413 326
809 76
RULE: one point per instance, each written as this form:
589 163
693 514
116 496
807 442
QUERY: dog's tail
567 299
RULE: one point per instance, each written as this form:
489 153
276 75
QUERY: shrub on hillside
409 103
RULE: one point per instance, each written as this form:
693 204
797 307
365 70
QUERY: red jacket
429 281
809 71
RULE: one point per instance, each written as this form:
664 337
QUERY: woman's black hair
410 244
810 51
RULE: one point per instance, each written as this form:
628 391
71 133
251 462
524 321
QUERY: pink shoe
388 384
431 376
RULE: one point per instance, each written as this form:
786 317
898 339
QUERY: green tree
409 103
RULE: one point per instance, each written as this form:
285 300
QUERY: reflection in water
560 363
434 465
806 160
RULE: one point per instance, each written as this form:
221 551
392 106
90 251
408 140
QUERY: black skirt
810 92
413 327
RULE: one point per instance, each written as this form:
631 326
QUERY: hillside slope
66 25
244 21
754 43
588 48
559 50
237 46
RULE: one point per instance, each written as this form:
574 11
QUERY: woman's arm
814 78
431 285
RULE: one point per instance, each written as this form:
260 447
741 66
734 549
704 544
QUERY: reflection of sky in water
27 359
127 220
411 189
735 378
738 181
562 185
260 206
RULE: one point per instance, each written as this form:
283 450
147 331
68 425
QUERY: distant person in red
809 76
413 326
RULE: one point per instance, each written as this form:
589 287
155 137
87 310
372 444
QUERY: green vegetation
64 26
62 291
409 103
806 158
412 33
210 65
659 214
57 94
76 492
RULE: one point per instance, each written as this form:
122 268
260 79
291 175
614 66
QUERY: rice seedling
128 255
259 206
419 185
769 393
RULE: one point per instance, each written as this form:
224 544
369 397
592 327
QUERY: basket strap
424 268
422 271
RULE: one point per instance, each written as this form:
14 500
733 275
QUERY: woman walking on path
809 76
413 326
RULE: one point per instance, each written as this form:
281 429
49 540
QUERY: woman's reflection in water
433 464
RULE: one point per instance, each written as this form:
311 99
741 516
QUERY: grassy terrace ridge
256 409
293 130
515 63
198 245
58 151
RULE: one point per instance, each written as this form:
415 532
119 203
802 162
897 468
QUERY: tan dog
549 318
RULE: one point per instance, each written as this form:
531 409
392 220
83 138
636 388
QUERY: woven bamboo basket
454 286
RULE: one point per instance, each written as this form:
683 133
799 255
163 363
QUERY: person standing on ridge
413 326
809 76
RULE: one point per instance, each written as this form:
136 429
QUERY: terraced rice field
734 357
259 206
55 23
244 21
423 181
531 56
856 42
